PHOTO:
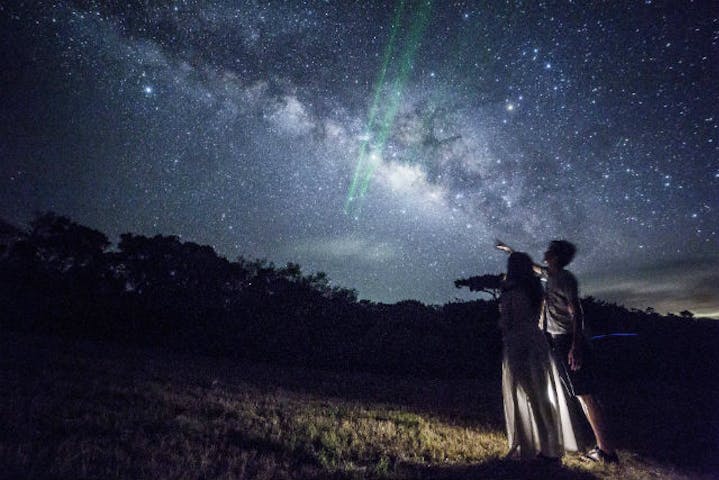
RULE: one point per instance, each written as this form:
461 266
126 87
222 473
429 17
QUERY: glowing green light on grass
386 99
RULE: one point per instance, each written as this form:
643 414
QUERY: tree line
58 277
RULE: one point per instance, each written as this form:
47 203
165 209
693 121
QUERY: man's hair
564 251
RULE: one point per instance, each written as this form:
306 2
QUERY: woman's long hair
521 275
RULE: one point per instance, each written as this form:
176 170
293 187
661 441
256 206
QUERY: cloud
409 180
683 284
291 117
346 248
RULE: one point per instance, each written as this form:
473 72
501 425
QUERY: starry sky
387 144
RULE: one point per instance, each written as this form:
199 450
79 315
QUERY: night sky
385 143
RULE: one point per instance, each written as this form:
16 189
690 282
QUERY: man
563 321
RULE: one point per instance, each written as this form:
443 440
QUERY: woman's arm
539 270
500 245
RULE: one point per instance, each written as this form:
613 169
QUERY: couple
544 373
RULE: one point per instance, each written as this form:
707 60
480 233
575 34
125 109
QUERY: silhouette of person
562 319
530 414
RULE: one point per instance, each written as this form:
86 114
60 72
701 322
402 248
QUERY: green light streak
371 149
360 168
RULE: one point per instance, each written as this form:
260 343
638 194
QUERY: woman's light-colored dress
540 417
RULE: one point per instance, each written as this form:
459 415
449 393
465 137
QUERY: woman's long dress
539 416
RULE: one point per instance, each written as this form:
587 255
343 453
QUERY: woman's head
521 275
519 266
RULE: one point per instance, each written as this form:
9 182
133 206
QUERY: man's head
560 253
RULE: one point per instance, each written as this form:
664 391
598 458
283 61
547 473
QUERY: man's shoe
598 455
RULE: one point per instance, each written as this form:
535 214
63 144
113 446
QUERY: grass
80 410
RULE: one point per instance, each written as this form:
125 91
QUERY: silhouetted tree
63 244
490 284
59 278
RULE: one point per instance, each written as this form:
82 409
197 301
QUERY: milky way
387 144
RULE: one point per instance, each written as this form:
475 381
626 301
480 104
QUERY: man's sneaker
598 455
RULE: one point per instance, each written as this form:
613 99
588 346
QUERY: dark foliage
491 284
60 278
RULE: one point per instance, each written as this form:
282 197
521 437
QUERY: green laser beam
371 149
359 168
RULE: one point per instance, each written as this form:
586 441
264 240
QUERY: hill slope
85 410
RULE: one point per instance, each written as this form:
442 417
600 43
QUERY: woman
538 421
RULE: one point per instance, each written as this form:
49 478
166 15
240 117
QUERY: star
263 117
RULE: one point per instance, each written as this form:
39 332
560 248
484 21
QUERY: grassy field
83 410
